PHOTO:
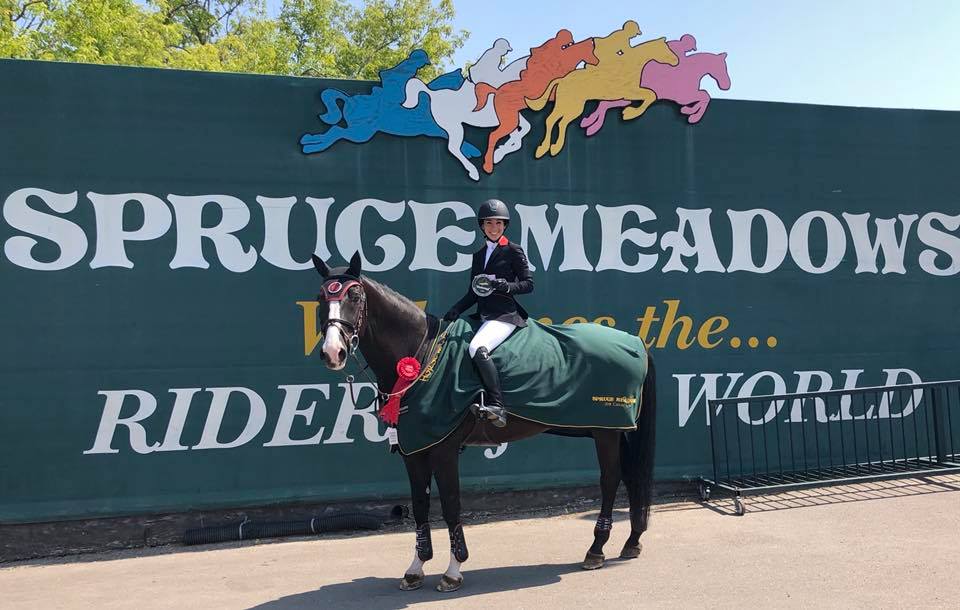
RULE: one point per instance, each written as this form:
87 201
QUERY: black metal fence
778 442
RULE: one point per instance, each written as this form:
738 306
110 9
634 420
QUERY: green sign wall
158 328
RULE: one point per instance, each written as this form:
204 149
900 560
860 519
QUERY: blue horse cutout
382 110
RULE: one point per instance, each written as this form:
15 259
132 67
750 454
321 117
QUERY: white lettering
68 237
256 416
613 237
190 232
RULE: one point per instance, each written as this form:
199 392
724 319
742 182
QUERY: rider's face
493 228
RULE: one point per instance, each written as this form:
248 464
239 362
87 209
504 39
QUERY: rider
506 265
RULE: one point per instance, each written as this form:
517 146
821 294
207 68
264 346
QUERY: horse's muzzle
335 363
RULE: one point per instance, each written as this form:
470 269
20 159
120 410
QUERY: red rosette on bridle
408 369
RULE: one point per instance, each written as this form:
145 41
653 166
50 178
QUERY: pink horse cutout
680 83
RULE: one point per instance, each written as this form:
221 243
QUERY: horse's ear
321 266
632 28
355 264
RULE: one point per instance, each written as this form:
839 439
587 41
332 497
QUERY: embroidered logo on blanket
615 401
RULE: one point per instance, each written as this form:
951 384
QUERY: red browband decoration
408 369
336 290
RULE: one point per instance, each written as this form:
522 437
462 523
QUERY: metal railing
787 441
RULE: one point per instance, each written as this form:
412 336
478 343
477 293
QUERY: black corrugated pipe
251 530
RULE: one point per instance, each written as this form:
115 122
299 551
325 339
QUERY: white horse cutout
452 109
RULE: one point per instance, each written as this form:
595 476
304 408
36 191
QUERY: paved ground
889 544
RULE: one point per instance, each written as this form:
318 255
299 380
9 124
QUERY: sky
880 53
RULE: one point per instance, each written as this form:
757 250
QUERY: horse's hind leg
608 454
445 462
418 471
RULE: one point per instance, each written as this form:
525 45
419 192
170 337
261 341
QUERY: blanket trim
466 413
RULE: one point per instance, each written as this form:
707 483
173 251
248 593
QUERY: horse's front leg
645 96
445 461
418 471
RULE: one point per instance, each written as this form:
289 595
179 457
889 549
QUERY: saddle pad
575 376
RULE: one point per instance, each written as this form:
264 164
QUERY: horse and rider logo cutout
494 92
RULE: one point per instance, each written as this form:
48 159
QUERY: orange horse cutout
614 77
550 61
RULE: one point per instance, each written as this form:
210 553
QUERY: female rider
506 265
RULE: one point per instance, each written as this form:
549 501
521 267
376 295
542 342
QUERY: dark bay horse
359 314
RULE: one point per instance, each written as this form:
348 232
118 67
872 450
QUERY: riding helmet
493 208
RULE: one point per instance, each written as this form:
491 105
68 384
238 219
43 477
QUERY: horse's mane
394 300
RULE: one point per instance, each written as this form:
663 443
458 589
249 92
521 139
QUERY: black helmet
493 208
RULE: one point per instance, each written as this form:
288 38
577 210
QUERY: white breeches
490 334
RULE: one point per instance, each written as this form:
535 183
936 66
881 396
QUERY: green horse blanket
576 376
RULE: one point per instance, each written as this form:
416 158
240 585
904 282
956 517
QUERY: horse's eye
354 294
620 52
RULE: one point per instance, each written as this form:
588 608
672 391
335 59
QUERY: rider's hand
451 315
500 285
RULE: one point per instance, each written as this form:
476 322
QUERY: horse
358 314
680 83
454 108
553 59
612 78
381 110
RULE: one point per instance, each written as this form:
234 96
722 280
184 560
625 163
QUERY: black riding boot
491 381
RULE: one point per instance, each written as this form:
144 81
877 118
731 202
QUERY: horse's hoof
411 582
593 561
630 552
448 585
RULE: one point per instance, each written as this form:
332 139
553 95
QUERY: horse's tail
637 450
483 91
541 101
412 92
330 97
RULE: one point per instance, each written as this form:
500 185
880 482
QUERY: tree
335 37
330 38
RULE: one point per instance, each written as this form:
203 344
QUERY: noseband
335 290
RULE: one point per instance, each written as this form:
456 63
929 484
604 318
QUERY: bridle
334 290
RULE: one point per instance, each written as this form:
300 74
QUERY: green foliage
329 38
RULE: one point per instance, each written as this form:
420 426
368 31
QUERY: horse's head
342 310
563 53
655 50
720 73
576 52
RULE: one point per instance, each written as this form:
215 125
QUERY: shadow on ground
383 593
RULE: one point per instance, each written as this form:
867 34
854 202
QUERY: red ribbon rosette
503 241
408 369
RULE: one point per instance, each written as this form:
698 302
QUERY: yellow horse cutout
614 77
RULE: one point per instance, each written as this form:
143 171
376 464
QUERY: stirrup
495 415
